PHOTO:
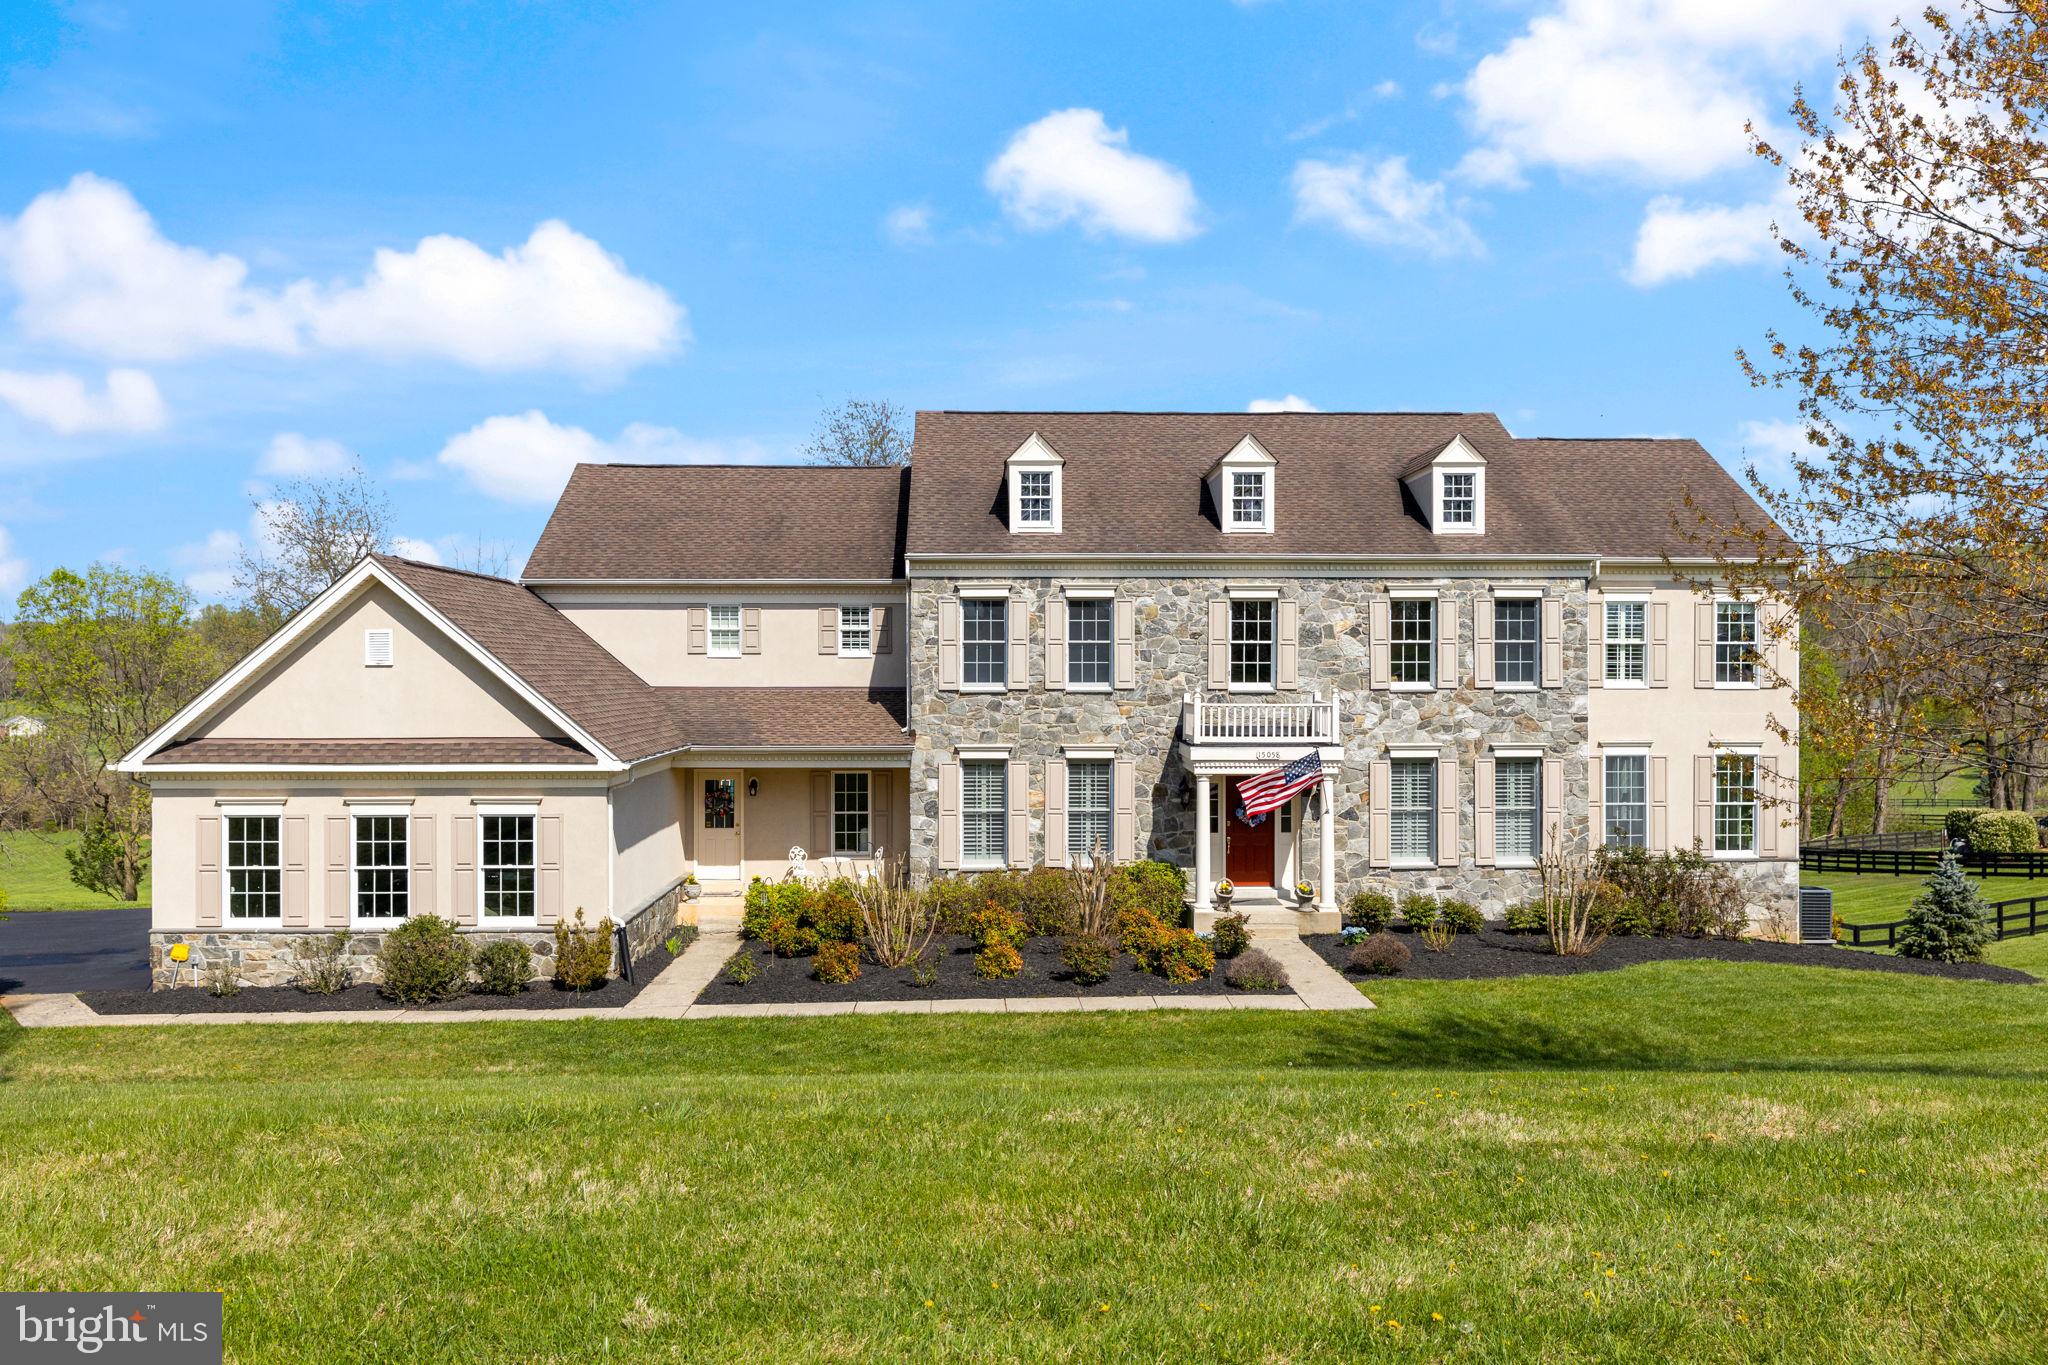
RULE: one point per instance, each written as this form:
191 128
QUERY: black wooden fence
1909 862
1896 839
2009 919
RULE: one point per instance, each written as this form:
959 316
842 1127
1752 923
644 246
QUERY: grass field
1871 898
1680 1162
35 876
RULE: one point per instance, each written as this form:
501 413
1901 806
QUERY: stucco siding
781 815
653 639
648 836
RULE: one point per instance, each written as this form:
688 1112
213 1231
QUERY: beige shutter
206 889
821 814
1447 642
1596 635
828 630
1596 796
462 862
882 810
1447 809
1380 836
1553 642
420 886
1018 613
1287 674
1772 642
1659 630
949 815
949 644
549 856
1551 815
1055 812
1018 842
878 630
335 891
296 880
1658 836
1483 796
698 619
1703 800
1768 812
1124 822
1219 644
1381 630
1126 626
750 630
1703 644
1055 644
1482 641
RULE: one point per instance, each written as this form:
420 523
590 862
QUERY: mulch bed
1498 953
788 980
538 996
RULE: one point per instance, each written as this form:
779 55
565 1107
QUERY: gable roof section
711 523
791 717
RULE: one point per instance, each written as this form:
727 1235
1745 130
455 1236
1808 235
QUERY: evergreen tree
1948 922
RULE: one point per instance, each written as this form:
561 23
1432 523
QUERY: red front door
1247 849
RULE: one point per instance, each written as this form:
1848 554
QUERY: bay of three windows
380 875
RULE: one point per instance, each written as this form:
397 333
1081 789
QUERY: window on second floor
856 632
1735 644
725 631
1627 641
1412 653
1088 642
984 642
1251 642
1514 641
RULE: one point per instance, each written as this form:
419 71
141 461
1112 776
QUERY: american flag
1269 791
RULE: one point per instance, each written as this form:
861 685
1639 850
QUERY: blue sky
468 244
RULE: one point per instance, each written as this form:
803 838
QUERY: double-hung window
725 631
851 823
255 867
382 874
1461 499
1034 497
1251 641
1088 809
506 868
1088 642
1517 809
1247 499
1625 801
1411 807
856 632
984 814
1627 641
1735 803
1412 653
1514 641
1735 644
984 641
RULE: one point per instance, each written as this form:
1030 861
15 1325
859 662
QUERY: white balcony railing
1313 721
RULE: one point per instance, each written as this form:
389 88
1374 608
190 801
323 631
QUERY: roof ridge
450 569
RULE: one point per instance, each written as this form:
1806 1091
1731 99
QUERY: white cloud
527 458
1772 447
1072 167
13 569
290 455
1676 242
908 225
90 268
128 402
1381 202
1293 402
407 547
1387 90
210 564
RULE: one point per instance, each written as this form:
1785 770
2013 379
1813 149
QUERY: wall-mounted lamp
753 786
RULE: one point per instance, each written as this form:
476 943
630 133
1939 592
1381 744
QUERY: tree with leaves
866 433
310 532
1947 922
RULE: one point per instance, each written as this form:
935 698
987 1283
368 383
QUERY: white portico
1232 740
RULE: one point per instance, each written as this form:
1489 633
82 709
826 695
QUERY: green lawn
1681 1162
35 876
1872 898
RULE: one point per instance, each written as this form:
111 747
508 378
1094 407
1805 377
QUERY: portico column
1202 880
1326 893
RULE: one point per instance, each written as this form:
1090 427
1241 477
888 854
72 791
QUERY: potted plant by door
1224 891
1304 892
691 890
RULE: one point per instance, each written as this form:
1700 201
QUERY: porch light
753 786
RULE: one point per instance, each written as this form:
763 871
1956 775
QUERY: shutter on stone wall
1125 617
1019 840
1287 676
462 865
1056 643
1768 812
1659 837
297 879
1482 641
1703 644
1553 642
878 630
1055 812
1660 644
750 630
821 815
420 885
1380 834
698 618
1703 800
1380 630
206 889
1552 813
1483 793
1219 644
1447 642
1596 641
949 643
1018 614
1447 809
1596 796
550 859
1125 832
828 630
949 815
334 890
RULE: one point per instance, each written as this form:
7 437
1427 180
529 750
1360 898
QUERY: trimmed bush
1421 909
423 960
1141 933
1255 970
994 923
1955 822
1231 934
1150 885
998 960
834 911
583 956
955 900
1462 916
785 937
321 967
1046 901
1088 959
1949 921
1381 955
1526 917
767 901
1182 957
836 963
1371 911
2003 831
503 967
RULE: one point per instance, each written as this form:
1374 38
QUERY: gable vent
376 649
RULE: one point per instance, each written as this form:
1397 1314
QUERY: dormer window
1449 487
1247 500
1035 473
1034 497
1461 499
1241 488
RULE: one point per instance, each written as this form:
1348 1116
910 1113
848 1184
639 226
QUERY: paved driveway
74 950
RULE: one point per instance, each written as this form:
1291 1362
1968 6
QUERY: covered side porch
1229 742
757 813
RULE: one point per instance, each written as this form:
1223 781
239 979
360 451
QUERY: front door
1247 849
718 827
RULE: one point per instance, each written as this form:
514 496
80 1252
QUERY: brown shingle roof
1133 484
780 717
486 749
714 522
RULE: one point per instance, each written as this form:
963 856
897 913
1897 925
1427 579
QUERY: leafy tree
1949 921
311 532
862 432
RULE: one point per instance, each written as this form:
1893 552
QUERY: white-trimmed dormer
1241 486
1035 474
1450 488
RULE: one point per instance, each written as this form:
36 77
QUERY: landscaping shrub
834 911
504 967
1182 957
1526 917
321 967
1150 885
1231 934
1421 909
2003 831
784 936
583 956
924 971
953 900
1680 892
1045 897
1088 959
423 960
1462 915
836 963
1623 916
740 968
1255 970
1381 955
222 980
1947 922
994 923
1141 933
1955 822
767 901
1371 911
997 960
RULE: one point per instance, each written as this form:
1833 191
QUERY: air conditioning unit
1816 914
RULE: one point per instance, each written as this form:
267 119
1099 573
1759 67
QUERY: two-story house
1058 635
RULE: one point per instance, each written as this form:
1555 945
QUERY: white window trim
834 832
1517 751
1435 757
1091 594
1436 631
507 921
988 593
1088 751
1631 749
844 652
968 864
275 812
1518 860
1756 681
984 752
1037 457
1252 592
1430 593
1639 597
1231 524
739 644
1253 595
1754 752
1087 591
402 811
983 590
390 643
1608 751
1519 593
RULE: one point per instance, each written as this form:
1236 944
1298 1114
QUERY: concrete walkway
1320 986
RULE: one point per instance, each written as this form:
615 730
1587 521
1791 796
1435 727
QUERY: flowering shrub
836 963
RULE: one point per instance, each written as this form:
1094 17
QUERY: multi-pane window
383 889
1735 643
1735 803
1461 499
1247 498
1034 497
1088 641
1517 807
725 631
1411 806
856 631
1413 651
1514 641
507 866
984 642
721 810
851 824
1625 801
984 817
255 867
1627 641
1251 642
1088 809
